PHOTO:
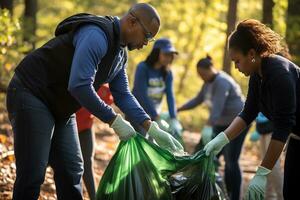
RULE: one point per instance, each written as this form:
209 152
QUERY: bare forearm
273 153
235 128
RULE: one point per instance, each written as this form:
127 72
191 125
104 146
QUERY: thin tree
7 4
29 25
267 17
231 21
292 31
196 42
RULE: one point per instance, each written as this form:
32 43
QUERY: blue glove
257 186
255 136
165 140
206 134
216 144
123 128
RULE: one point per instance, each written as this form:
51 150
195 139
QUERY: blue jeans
39 140
231 153
87 143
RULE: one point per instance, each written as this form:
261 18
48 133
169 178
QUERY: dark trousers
87 141
39 140
291 170
231 153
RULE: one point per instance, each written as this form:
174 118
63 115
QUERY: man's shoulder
72 23
91 28
91 33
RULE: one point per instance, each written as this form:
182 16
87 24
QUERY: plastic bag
220 184
195 182
140 170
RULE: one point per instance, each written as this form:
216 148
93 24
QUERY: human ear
252 53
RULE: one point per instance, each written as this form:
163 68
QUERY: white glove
216 144
163 124
164 139
123 128
257 186
207 133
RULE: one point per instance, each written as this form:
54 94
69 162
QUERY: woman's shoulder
142 66
276 66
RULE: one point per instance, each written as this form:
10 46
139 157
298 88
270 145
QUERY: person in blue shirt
273 89
154 79
54 81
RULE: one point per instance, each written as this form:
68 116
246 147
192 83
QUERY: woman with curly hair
273 90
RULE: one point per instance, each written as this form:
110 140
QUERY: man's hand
162 124
164 139
122 128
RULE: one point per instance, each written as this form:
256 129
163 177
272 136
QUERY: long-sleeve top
277 95
150 87
91 45
224 97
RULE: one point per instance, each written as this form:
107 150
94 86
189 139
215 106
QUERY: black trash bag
196 182
220 183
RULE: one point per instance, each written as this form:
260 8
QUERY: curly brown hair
252 34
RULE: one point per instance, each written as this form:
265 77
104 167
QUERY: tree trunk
30 22
268 12
190 56
189 61
231 21
7 4
292 31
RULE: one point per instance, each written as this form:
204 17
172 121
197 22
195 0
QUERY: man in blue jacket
54 81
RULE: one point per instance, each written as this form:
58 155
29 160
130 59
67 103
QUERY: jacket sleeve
251 109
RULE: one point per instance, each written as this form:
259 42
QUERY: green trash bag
220 184
193 183
141 170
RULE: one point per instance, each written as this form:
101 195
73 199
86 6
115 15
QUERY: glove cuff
152 129
225 138
116 121
262 171
207 127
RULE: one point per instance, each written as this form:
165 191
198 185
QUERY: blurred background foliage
197 28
